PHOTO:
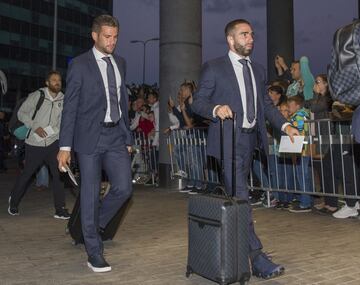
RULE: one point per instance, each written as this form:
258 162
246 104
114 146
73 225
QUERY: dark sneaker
62 214
98 264
282 206
286 206
298 209
194 191
279 206
13 210
255 201
263 267
187 189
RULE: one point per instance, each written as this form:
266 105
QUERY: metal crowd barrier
144 160
188 156
329 165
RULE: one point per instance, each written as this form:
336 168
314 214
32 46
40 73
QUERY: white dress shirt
103 66
238 68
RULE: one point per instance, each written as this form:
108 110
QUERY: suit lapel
231 76
257 77
94 67
122 74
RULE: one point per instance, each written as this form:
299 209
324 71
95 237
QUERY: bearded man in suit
235 83
95 125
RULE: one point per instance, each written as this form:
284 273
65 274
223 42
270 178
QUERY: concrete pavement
151 245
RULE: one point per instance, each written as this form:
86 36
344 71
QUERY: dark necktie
114 103
250 105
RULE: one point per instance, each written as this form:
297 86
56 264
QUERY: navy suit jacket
219 86
85 104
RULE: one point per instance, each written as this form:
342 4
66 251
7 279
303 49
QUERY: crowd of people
301 98
298 95
98 129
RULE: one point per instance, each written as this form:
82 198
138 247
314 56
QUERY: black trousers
35 157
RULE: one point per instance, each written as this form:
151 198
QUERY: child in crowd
302 168
285 171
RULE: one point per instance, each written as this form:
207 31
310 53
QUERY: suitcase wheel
188 271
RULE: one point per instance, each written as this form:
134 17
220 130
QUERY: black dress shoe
98 264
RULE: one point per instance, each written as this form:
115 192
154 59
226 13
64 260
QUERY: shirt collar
99 55
234 57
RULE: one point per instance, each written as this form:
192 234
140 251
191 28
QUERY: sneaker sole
10 213
276 273
61 218
99 269
349 216
300 211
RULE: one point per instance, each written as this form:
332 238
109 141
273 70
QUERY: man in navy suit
95 125
235 83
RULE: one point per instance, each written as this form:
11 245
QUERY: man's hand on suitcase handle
64 158
223 112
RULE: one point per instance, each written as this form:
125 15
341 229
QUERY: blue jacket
85 104
218 86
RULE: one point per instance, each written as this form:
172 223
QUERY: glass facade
26 39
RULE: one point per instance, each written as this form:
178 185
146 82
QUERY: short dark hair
299 100
104 20
276 88
51 73
231 25
154 94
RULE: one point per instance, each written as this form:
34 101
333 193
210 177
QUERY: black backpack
344 70
15 124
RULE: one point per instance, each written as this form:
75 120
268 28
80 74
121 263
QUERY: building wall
26 39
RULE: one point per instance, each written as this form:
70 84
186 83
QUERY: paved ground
151 246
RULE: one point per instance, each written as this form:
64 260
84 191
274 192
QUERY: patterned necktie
250 105
114 103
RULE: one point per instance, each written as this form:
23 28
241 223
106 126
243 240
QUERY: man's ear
47 83
94 36
230 40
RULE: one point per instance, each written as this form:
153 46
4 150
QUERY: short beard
54 89
241 50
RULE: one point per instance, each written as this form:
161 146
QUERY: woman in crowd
320 106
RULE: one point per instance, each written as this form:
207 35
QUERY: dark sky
315 24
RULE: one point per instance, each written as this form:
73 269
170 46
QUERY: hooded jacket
49 114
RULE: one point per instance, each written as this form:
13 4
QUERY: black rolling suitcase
74 224
219 233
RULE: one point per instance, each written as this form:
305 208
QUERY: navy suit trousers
245 143
111 155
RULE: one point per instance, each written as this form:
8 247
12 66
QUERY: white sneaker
346 212
181 173
357 206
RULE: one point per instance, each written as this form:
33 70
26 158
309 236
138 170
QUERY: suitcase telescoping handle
233 160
